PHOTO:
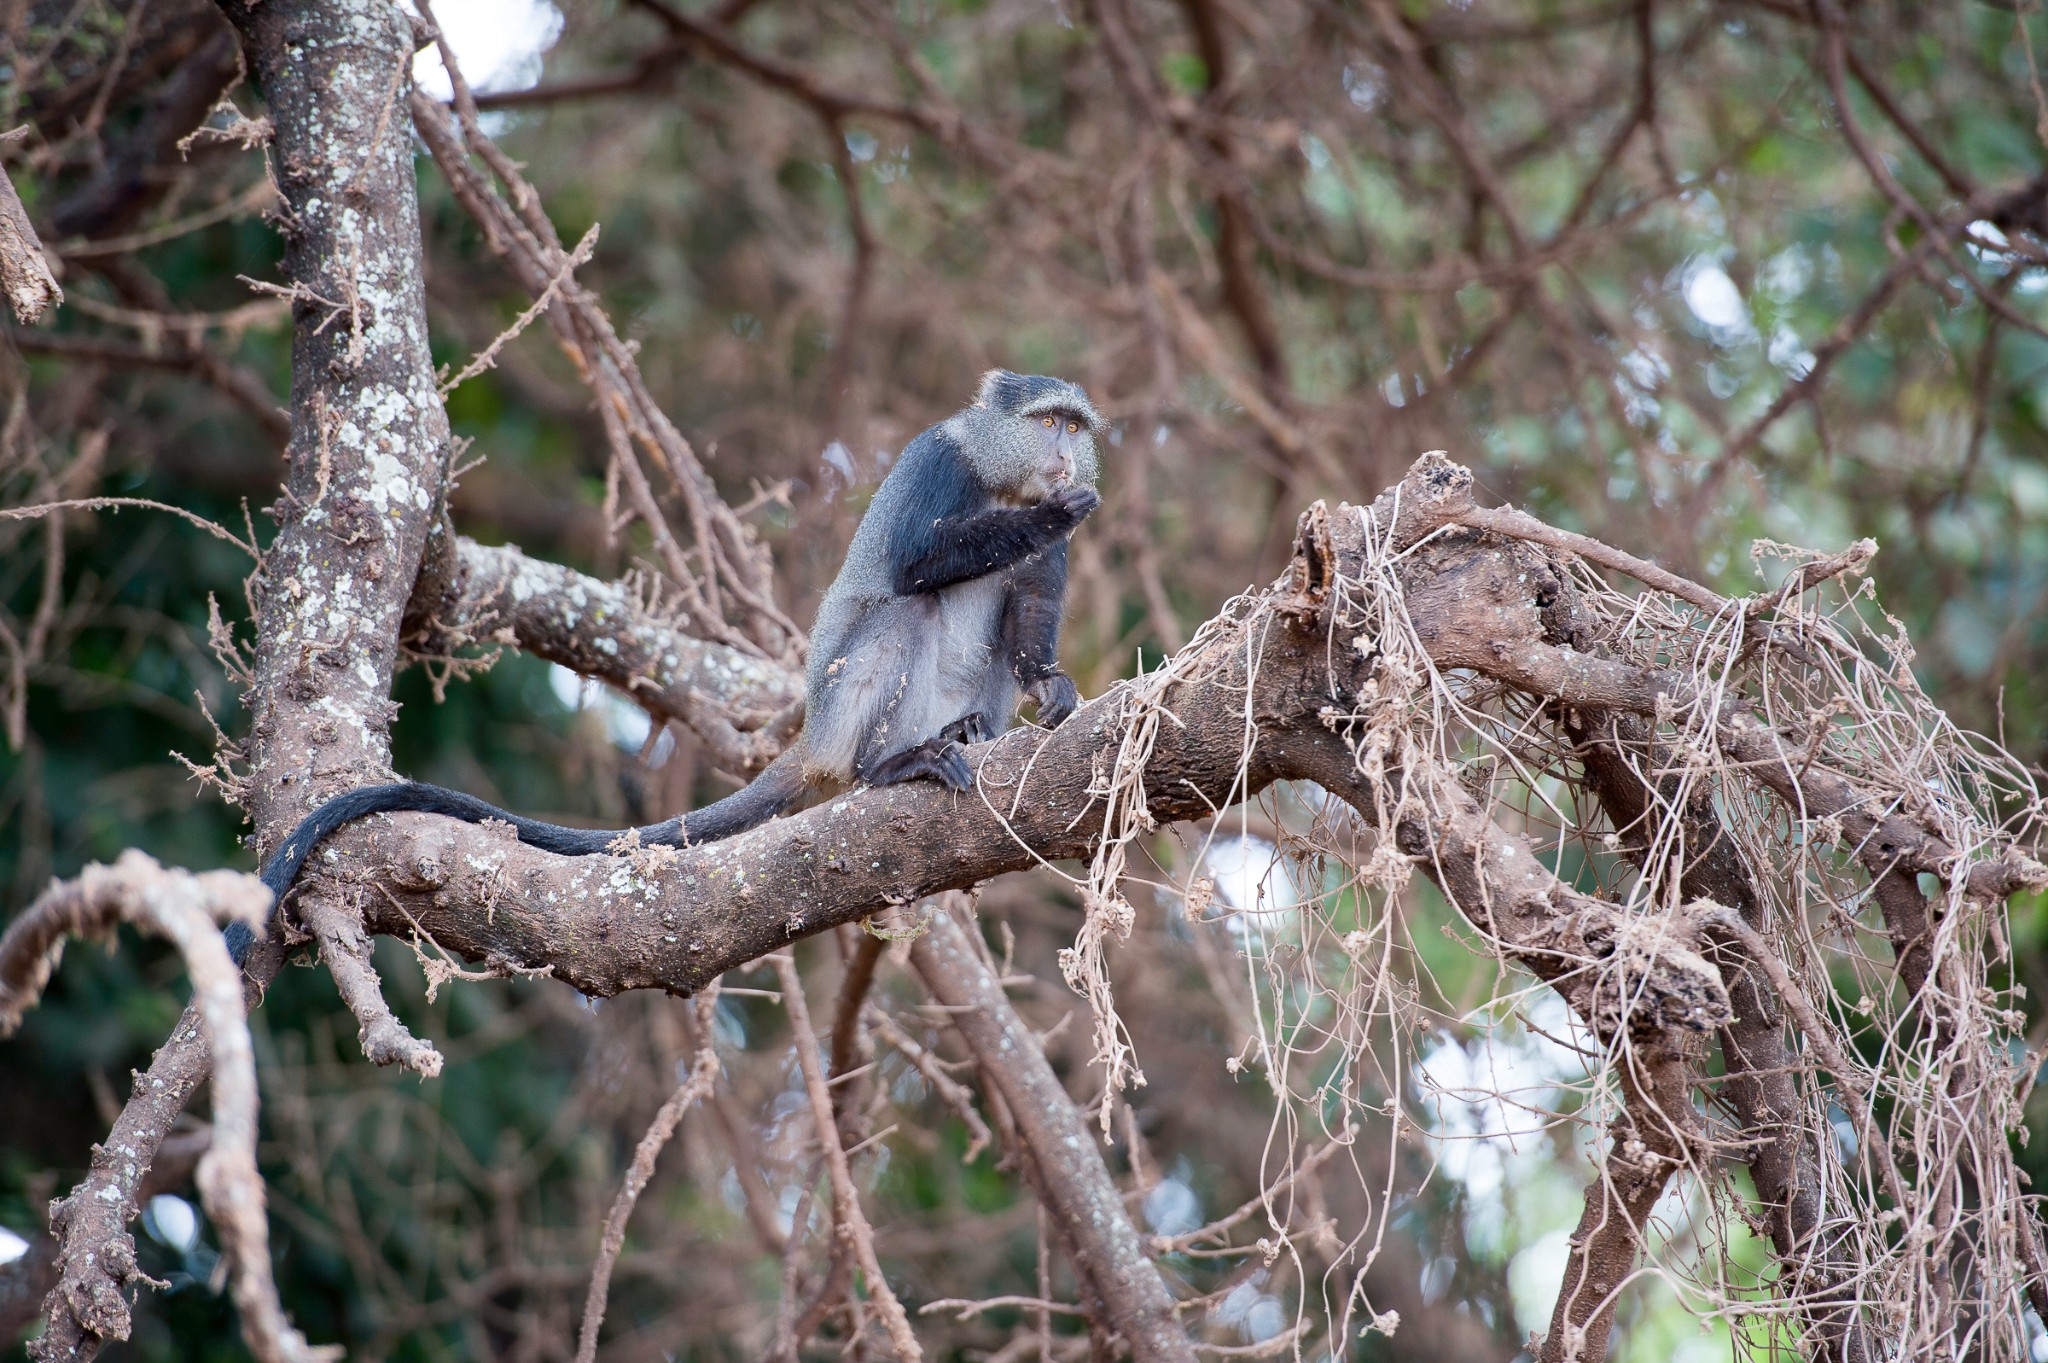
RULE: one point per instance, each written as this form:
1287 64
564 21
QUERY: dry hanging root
1688 781
1138 711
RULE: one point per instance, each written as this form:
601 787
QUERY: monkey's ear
991 392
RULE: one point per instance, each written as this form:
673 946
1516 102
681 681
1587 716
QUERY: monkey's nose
1059 463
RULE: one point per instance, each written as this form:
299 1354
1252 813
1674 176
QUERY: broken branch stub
25 275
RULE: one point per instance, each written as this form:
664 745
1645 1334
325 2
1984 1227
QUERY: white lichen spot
391 484
529 581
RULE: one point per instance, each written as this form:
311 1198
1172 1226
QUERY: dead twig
188 910
703 1075
848 1218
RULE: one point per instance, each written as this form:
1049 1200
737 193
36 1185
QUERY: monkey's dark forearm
962 549
1031 633
1031 625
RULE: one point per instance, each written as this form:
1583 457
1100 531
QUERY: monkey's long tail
778 787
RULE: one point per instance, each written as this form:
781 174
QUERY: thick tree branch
369 437
1870 823
743 707
368 446
1761 1085
674 919
1651 1141
25 1282
1464 621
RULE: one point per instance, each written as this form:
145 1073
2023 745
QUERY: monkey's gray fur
890 670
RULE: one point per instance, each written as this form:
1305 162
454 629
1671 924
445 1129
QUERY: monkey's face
1063 449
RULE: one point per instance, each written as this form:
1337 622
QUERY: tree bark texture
366 461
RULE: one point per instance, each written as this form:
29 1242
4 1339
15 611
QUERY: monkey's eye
1047 422
1073 426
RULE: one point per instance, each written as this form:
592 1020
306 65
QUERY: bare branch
367 444
745 708
703 1074
847 1216
732 563
1083 1201
345 950
951 1091
188 910
185 355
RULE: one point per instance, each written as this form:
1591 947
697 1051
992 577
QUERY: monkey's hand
1056 697
1069 506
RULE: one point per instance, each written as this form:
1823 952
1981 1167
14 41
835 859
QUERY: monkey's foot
935 759
968 729
1056 697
